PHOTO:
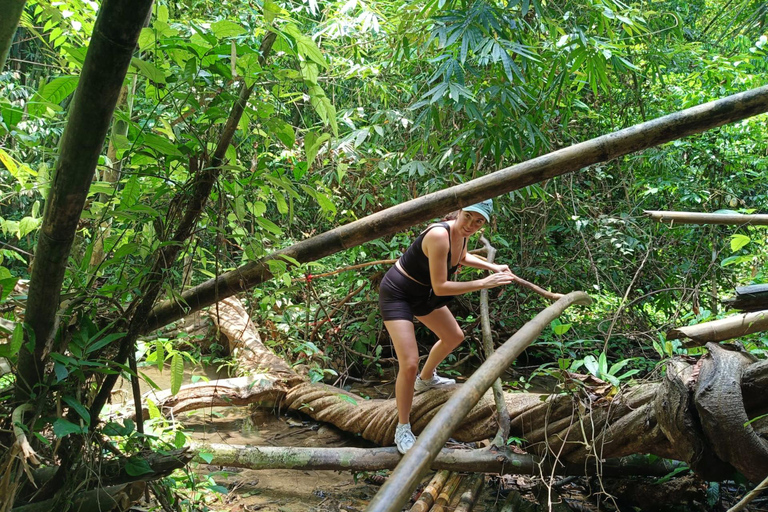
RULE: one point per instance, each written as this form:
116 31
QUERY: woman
419 285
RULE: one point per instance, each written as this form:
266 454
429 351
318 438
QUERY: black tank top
416 263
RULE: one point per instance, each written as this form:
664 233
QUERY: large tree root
677 418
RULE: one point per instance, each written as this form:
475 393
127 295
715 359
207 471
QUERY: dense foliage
363 105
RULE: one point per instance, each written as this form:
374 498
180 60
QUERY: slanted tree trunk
11 14
390 221
109 54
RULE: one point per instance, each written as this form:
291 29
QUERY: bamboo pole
485 322
430 492
115 33
727 219
472 491
390 221
11 10
395 492
446 494
721 330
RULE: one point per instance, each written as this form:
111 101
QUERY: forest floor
330 491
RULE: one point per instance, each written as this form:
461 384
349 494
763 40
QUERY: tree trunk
485 321
109 54
502 461
721 330
726 219
11 10
201 186
394 219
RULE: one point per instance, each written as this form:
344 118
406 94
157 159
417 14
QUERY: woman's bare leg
442 322
404 340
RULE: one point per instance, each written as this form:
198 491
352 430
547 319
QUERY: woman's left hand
502 268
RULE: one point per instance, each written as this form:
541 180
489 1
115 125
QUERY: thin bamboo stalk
468 498
430 492
446 494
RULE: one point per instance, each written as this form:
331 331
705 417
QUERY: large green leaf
177 372
148 70
59 88
225 28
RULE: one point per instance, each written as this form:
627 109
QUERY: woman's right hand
498 279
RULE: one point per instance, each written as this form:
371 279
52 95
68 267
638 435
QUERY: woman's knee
454 338
409 368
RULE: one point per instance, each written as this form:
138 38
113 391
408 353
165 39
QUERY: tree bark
726 219
721 330
502 461
115 33
394 219
485 322
11 10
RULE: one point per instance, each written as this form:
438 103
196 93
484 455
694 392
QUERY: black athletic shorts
402 298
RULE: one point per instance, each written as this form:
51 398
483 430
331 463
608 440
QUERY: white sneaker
435 382
404 438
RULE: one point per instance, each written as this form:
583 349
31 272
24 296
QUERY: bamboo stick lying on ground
431 491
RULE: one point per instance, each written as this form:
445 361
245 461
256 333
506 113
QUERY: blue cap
484 208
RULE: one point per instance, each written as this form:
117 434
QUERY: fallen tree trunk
721 330
726 219
583 426
390 221
501 461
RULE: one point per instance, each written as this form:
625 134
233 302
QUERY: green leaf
106 340
62 428
154 412
28 225
161 144
269 226
591 364
131 192
78 408
148 70
58 89
271 11
738 241
305 46
226 28
11 115
282 131
160 357
561 329
323 107
136 466
347 398
17 339
207 457
312 144
177 372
